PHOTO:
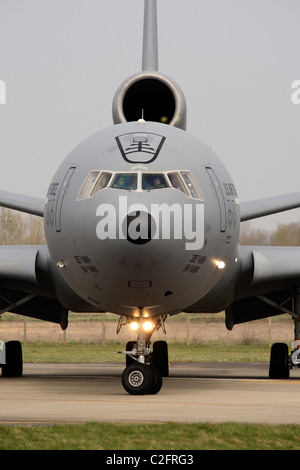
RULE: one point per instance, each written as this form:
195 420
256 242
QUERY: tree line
284 235
17 228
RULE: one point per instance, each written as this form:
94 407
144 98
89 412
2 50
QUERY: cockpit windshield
191 185
124 181
177 182
88 185
153 181
102 182
182 181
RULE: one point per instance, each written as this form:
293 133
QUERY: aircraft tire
137 379
279 361
156 381
161 357
14 360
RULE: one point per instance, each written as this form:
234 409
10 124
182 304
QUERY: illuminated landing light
221 264
147 326
134 325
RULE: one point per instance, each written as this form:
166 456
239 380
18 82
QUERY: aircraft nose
139 227
139 220
124 219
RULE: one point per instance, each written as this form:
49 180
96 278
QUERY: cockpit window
124 181
88 185
153 181
191 185
97 180
177 183
102 182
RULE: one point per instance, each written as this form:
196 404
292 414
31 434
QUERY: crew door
220 197
60 197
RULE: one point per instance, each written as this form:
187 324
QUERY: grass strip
169 436
93 353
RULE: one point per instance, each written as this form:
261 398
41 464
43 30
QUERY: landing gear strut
145 369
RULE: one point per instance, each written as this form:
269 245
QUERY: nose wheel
141 379
144 369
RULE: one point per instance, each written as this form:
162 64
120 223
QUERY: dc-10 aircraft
143 220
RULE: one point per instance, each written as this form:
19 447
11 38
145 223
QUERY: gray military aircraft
143 220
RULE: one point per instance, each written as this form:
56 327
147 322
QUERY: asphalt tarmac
201 392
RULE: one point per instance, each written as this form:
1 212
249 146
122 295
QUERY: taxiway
215 392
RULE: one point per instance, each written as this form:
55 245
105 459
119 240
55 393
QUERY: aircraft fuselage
142 218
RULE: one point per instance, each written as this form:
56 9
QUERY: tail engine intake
152 95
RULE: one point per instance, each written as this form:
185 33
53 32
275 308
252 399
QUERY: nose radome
139 227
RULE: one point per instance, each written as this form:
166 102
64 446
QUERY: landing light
134 325
147 326
221 264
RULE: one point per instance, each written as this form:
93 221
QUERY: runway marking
269 381
152 402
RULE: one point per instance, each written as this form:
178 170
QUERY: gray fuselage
125 236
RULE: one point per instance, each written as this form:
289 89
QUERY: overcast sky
235 60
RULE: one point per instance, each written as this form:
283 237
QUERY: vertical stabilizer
150 92
150 47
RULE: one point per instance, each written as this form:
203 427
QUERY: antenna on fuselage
150 44
142 120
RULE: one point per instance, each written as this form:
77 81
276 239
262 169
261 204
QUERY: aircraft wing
267 283
31 286
271 264
19 202
26 284
272 205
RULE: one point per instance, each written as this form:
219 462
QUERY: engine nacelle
152 95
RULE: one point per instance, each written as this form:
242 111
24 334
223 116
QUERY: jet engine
151 96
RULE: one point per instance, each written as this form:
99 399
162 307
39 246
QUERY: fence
184 328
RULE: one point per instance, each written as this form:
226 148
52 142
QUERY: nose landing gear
145 369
